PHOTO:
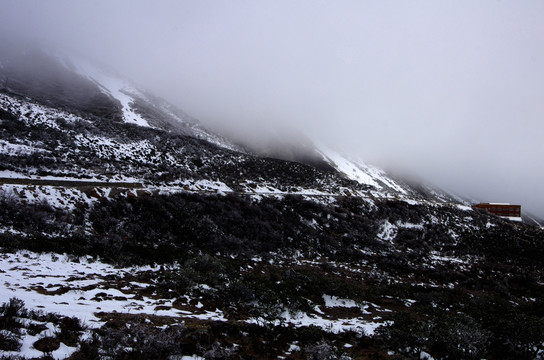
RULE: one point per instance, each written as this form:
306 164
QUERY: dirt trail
70 183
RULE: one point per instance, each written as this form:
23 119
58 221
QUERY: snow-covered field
28 351
77 287
86 288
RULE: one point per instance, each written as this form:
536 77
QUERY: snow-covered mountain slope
115 87
43 86
40 140
359 171
141 108
385 184
295 146
73 84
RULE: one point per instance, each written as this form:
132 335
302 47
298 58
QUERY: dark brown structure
500 209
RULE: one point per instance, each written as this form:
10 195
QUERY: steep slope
293 145
357 170
42 141
38 76
360 172
141 108
76 85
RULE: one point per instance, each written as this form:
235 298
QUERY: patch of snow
294 347
333 301
410 226
333 326
387 231
206 185
463 207
425 356
114 86
55 283
59 197
140 151
35 114
12 149
450 259
347 167
359 171
28 351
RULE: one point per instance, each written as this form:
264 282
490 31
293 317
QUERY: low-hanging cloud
448 91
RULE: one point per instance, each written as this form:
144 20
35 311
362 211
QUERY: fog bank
449 91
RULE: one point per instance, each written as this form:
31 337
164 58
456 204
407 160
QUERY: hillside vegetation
120 241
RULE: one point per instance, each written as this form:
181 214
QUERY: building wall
501 209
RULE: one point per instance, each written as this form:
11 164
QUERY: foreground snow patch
82 288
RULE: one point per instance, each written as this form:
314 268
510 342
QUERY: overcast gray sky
452 91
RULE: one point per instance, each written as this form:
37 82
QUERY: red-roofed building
500 209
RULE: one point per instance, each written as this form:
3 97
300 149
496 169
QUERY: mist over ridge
448 92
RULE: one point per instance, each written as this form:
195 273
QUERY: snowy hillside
95 90
139 107
359 171
129 231
383 183
119 89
